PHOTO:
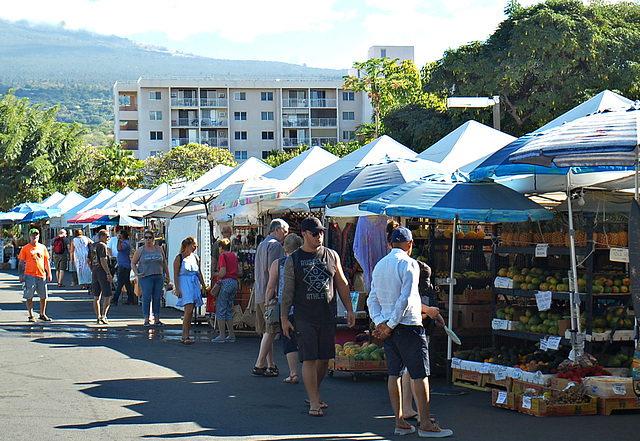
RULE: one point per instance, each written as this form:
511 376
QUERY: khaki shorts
261 326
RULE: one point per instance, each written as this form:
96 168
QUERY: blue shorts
32 285
315 341
289 344
407 347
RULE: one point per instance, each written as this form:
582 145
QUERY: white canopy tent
53 199
374 152
466 146
95 201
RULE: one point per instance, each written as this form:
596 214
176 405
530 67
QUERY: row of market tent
475 173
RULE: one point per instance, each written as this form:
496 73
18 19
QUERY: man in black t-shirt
101 277
311 276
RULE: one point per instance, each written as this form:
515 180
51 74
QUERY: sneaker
105 321
158 323
146 323
218 339
434 432
230 340
404 430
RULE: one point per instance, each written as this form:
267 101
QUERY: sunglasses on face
194 245
148 237
317 233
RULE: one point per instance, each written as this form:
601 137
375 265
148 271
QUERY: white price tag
502 397
503 282
619 255
456 363
619 389
517 374
501 373
543 299
553 342
500 324
526 402
541 250
484 368
570 384
543 344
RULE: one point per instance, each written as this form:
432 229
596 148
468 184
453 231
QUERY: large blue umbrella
27 207
440 199
40 214
608 138
365 182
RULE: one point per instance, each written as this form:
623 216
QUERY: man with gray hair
215 255
269 250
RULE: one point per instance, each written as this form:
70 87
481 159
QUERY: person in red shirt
34 267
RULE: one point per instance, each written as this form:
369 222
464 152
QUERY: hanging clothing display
370 244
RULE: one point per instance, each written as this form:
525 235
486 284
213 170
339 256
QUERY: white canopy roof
53 199
371 153
93 202
467 146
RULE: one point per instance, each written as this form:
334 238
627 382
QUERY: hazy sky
320 33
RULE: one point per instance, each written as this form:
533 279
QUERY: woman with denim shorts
228 278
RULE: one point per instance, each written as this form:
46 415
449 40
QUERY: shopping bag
211 304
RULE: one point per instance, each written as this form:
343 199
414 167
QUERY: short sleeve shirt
270 249
35 257
100 251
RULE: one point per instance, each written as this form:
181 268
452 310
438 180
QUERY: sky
320 33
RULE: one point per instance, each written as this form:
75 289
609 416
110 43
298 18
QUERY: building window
383 53
348 96
266 154
348 116
155 115
155 95
240 116
348 135
239 155
241 136
266 96
155 136
155 153
239 96
267 135
266 116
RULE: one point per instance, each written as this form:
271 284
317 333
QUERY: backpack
58 245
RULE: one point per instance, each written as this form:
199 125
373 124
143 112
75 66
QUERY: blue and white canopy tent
455 200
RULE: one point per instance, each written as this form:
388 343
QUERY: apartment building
249 118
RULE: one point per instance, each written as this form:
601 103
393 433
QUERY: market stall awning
41 214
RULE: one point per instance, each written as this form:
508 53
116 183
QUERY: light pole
479 102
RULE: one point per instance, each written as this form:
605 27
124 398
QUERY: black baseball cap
312 224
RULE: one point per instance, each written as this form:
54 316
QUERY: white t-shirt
113 245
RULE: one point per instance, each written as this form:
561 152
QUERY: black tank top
314 297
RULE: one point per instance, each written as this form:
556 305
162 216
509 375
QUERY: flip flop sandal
187 341
293 379
316 412
31 318
323 405
259 370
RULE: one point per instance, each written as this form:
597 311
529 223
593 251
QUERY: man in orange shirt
33 262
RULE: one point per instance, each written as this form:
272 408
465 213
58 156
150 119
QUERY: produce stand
357 368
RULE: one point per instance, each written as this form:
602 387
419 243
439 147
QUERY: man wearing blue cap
395 308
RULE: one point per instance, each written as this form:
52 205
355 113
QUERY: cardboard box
489 380
472 316
563 326
608 405
541 407
470 296
463 376
519 387
343 362
370 365
509 403
609 387
559 384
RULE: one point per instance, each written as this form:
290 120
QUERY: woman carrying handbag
227 276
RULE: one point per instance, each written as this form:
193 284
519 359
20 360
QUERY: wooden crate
489 381
467 378
509 404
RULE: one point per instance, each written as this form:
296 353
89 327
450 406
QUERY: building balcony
175 142
185 122
324 102
129 144
128 108
300 122
215 141
213 102
294 142
324 122
208 122
319 142
184 102
295 102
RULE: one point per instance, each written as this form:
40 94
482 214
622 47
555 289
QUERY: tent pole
574 294
450 306
636 176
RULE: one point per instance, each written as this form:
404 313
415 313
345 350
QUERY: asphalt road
74 380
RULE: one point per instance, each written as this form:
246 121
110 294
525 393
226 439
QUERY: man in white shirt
395 308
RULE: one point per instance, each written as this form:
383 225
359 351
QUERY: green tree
418 127
340 150
112 168
388 84
38 155
545 59
189 161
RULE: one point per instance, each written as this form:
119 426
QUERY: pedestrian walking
395 308
79 250
267 252
312 274
34 267
274 294
227 276
124 269
188 284
150 267
101 277
60 253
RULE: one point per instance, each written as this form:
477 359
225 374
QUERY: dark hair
391 225
124 234
77 232
225 244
